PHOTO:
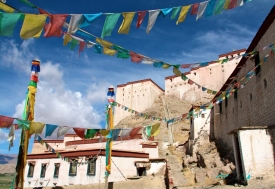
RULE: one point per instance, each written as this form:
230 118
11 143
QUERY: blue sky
72 89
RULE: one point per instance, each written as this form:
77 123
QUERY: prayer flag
50 129
23 124
80 132
36 128
155 129
82 45
108 51
104 132
5 121
219 6
183 13
125 133
91 133
67 39
135 131
62 130
141 15
176 71
153 14
165 11
183 77
8 22
232 4
104 43
90 44
210 8
190 82
98 49
32 26
226 4
175 12
148 61
136 57
115 134
126 23
110 23
74 42
185 65
88 19
75 21
54 28
166 66
204 64
6 8
201 9
158 64
195 8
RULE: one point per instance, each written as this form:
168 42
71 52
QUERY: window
195 73
202 116
257 61
250 96
220 106
226 102
56 170
91 166
31 169
73 168
236 93
43 170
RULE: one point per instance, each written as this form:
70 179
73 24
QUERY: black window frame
30 174
257 62
220 107
92 161
56 170
43 170
73 163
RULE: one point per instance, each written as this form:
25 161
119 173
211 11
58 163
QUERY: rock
232 166
199 175
218 162
212 173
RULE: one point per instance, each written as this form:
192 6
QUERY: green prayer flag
8 22
32 83
109 24
219 7
118 48
23 124
224 60
74 42
175 12
183 77
91 133
148 130
122 55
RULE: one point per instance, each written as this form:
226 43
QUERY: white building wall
125 165
199 124
256 153
211 77
157 169
138 96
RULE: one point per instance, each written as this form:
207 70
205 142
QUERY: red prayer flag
136 57
195 8
5 121
134 132
190 82
82 45
80 132
34 78
54 28
232 4
185 65
141 16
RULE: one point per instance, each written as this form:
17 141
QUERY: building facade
86 161
244 121
212 77
137 95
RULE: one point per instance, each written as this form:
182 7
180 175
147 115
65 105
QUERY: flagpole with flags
28 115
110 125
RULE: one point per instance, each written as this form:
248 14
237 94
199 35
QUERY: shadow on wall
271 131
55 187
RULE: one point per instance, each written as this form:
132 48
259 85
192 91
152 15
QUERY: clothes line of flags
226 94
201 9
34 24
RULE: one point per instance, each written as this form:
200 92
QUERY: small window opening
220 107
56 170
73 168
250 96
43 170
257 62
195 73
31 169
236 93
226 102
91 166
202 116
141 171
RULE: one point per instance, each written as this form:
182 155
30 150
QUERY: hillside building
137 95
131 157
212 77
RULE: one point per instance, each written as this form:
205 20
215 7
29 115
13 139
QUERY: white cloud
3 136
97 92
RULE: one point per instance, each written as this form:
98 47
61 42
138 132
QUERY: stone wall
254 104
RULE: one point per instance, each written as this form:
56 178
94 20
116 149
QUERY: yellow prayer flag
197 109
226 4
108 51
67 39
155 129
104 43
6 8
104 132
125 26
32 26
36 128
183 13
209 91
166 66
